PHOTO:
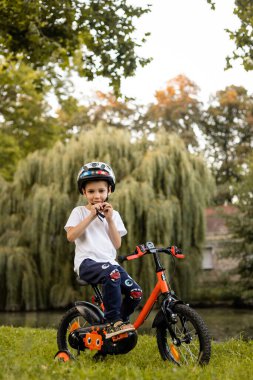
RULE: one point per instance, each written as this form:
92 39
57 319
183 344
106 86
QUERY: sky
187 37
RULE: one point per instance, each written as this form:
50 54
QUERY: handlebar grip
180 256
121 259
176 252
139 251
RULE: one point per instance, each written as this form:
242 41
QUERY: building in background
218 236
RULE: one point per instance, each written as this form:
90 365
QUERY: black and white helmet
95 171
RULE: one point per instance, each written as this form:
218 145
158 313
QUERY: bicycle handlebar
149 248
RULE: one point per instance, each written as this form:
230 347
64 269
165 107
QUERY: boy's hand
95 207
107 210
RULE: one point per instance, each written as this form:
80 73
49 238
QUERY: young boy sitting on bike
96 230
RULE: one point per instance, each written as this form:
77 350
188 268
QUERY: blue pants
115 281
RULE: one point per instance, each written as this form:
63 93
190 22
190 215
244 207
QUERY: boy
96 230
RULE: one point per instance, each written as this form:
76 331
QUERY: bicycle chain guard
94 338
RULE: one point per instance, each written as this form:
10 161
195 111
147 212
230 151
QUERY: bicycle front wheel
185 342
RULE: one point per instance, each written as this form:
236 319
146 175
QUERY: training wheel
63 356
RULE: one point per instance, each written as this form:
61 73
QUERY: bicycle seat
81 282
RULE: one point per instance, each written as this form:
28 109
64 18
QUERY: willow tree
161 192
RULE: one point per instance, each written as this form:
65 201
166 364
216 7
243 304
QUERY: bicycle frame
160 288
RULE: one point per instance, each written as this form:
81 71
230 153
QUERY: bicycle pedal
115 338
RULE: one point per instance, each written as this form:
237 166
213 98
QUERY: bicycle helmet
94 171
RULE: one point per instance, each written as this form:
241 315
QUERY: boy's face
96 192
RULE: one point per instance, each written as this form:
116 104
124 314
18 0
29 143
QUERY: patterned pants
115 282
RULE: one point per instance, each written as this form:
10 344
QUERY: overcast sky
188 38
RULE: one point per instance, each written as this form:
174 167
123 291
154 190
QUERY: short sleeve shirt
95 242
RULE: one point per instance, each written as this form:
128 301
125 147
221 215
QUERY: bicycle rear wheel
186 342
71 321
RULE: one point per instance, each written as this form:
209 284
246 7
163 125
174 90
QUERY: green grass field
28 353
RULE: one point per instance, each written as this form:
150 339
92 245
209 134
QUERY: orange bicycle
182 336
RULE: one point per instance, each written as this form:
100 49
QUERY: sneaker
117 328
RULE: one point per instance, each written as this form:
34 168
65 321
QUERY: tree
114 111
243 36
161 192
176 110
9 155
105 109
25 122
41 43
227 125
94 38
241 225
72 117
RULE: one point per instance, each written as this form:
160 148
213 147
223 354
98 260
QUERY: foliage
28 352
241 225
227 125
9 155
104 108
243 36
114 111
72 117
93 38
161 192
212 4
176 110
41 44
25 122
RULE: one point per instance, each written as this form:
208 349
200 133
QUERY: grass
27 353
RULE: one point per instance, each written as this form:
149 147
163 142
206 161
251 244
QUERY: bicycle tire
194 343
72 319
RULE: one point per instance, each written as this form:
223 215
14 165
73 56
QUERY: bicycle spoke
188 341
190 350
185 361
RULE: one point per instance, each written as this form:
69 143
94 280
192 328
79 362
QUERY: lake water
223 323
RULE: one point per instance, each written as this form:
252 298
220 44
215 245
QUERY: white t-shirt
95 242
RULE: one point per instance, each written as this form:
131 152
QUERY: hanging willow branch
161 192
